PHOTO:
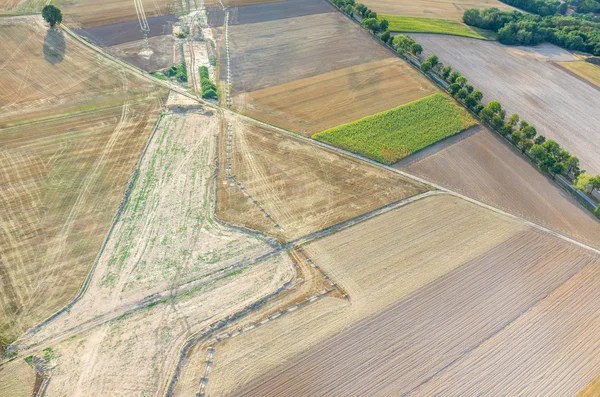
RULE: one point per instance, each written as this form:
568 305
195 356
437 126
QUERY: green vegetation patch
394 134
430 25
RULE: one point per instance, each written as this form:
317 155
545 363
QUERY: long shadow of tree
54 46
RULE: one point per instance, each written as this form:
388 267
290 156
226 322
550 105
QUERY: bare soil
86 14
474 331
287 49
378 262
523 79
272 11
327 100
479 164
293 188
124 32
451 9
162 53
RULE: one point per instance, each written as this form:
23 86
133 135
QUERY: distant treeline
540 7
581 33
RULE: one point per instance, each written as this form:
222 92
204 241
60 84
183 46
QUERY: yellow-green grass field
397 133
434 25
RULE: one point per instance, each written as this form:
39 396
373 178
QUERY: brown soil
474 331
317 103
298 188
378 262
306 46
525 81
88 14
161 58
451 9
479 164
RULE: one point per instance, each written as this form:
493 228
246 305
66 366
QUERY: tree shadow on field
54 46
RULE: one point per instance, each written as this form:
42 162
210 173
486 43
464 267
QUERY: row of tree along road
548 155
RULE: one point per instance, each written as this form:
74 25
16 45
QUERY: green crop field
394 134
432 25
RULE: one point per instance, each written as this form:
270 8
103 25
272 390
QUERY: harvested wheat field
166 239
306 46
479 164
525 81
16 7
74 126
17 379
451 9
327 100
378 262
474 331
62 183
168 270
288 188
586 70
47 73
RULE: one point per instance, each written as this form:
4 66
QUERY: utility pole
139 9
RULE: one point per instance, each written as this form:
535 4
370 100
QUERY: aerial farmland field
525 80
481 165
310 189
67 150
421 343
456 296
49 73
327 100
306 46
328 221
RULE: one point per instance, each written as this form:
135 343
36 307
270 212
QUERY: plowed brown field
305 46
479 164
298 188
378 262
486 328
88 14
327 100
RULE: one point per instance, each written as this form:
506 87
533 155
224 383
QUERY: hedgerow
209 90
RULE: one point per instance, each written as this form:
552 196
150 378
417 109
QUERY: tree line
370 21
546 154
579 32
540 7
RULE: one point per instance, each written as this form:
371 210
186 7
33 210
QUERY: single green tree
52 15
513 119
426 66
446 72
